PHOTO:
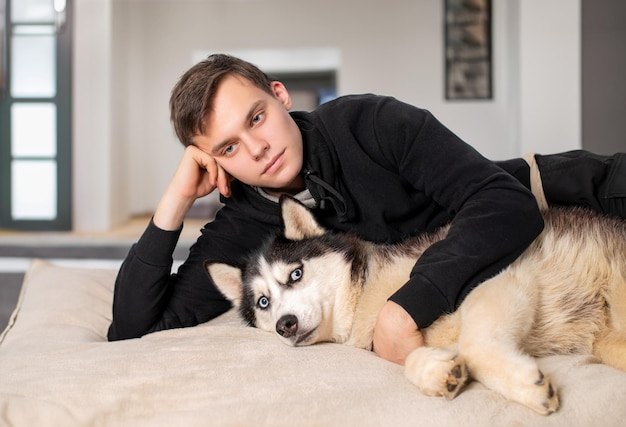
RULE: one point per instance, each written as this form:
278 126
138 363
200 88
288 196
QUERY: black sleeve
149 298
494 216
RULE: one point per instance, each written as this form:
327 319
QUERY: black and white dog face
291 287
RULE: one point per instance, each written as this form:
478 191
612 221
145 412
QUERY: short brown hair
192 97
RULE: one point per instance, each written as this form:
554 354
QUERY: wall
92 107
392 47
604 68
550 82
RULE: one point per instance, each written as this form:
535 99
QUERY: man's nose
257 147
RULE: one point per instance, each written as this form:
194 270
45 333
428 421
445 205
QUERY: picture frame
468 50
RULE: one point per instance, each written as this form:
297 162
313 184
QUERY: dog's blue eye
296 274
263 302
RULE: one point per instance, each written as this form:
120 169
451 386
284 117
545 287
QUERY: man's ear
227 279
298 221
282 94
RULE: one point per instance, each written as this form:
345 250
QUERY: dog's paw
541 395
436 371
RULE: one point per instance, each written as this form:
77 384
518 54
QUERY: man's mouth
274 163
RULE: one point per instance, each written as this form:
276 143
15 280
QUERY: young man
365 164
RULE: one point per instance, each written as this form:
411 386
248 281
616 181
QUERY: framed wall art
468 68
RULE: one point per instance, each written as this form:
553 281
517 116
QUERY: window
35 115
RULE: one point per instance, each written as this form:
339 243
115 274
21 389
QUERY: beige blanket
56 369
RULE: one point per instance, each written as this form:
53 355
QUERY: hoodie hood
320 163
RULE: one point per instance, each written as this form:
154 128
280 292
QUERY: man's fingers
217 176
204 161
223 181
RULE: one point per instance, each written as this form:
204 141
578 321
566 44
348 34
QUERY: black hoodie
377 167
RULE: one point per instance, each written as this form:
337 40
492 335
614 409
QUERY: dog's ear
298 221
227 279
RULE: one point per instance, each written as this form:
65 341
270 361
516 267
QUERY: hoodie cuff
156 246
422 301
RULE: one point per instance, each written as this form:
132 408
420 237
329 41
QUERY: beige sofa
56 369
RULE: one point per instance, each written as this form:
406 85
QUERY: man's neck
295 187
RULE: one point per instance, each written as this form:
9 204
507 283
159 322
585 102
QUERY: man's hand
395 334
197 175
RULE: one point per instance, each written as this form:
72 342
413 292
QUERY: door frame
63 102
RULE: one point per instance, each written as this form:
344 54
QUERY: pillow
59 306
56 368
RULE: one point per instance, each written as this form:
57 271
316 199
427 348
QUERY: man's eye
263 302
296 274
257 118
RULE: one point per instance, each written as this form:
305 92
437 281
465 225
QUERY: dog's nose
287 325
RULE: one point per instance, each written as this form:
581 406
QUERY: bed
57 369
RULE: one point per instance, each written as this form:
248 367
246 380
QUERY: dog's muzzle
287 326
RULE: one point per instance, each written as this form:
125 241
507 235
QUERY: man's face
251 135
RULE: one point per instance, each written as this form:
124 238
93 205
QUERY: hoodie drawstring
338 201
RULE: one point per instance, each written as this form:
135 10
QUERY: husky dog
565 295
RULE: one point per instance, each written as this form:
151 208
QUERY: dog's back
576 270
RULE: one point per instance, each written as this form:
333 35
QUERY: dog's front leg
436 371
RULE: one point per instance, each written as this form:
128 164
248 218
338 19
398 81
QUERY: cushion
57 369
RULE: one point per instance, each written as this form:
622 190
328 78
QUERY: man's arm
494 219
197 175
144 282
149 298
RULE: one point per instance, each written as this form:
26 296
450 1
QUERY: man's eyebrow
251 112
218 148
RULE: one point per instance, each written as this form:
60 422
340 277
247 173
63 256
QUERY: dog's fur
565 295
